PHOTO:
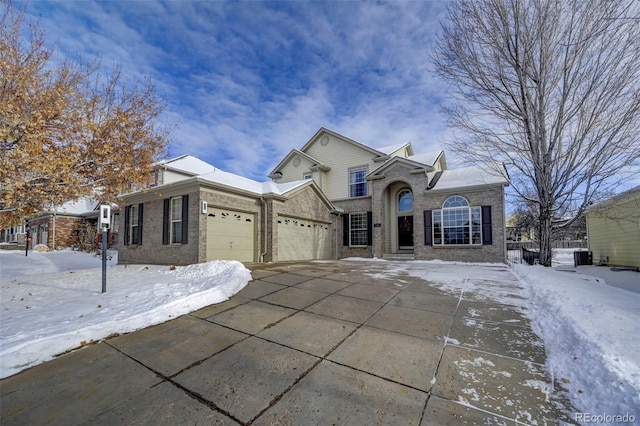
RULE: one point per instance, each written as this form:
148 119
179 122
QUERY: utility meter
105 217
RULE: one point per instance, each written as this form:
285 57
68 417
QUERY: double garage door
300 239
231 235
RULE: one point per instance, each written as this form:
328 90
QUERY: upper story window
154 178
358 182
457 223
405 201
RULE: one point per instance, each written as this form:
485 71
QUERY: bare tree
551 89
68 130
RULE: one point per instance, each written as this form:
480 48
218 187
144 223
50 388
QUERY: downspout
265 248
53 242
335 234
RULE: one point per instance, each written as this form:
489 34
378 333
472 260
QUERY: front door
405 232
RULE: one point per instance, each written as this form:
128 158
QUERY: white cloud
247 82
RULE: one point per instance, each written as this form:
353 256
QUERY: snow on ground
52 302
590 329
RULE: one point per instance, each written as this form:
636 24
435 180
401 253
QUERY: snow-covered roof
391 148
428 158
469 176
250 185
79 207
188 164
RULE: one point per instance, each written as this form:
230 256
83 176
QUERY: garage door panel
230 235
303 240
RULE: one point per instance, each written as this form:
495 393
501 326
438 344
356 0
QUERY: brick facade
306 203
62 231
381 203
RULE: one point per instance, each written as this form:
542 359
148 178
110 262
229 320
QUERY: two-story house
333 198
398 204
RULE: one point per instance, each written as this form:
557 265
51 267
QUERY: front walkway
310 343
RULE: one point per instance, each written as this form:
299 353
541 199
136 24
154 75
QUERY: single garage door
303 239
230 235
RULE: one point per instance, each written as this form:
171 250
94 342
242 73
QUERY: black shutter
126 225
345 229
487 239
140 223
185 219
165 221
369 229
427 228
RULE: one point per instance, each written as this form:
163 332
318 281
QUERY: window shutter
185 219
427 228
140 223
369 229
345 229
487 239
165 221
126 225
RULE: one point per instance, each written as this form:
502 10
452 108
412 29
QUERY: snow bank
48 314
590 331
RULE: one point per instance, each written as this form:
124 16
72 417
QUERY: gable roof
469 177
290 155
395 160
342 137
380 154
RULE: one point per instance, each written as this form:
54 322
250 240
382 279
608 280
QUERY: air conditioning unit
582 257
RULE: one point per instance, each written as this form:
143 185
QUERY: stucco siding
614 233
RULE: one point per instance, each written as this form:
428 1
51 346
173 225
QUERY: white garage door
303 239
230 235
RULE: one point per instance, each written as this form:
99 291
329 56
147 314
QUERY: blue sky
246 82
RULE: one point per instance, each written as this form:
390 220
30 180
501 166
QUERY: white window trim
133 224
470 210
173 220
365 229
366 184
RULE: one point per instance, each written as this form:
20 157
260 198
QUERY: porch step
398 256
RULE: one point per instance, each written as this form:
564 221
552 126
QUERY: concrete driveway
307 344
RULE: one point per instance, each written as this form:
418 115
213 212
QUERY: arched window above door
405 201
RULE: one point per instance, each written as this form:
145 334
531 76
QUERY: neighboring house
613 229
71 225
13 235
193 212
397 204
